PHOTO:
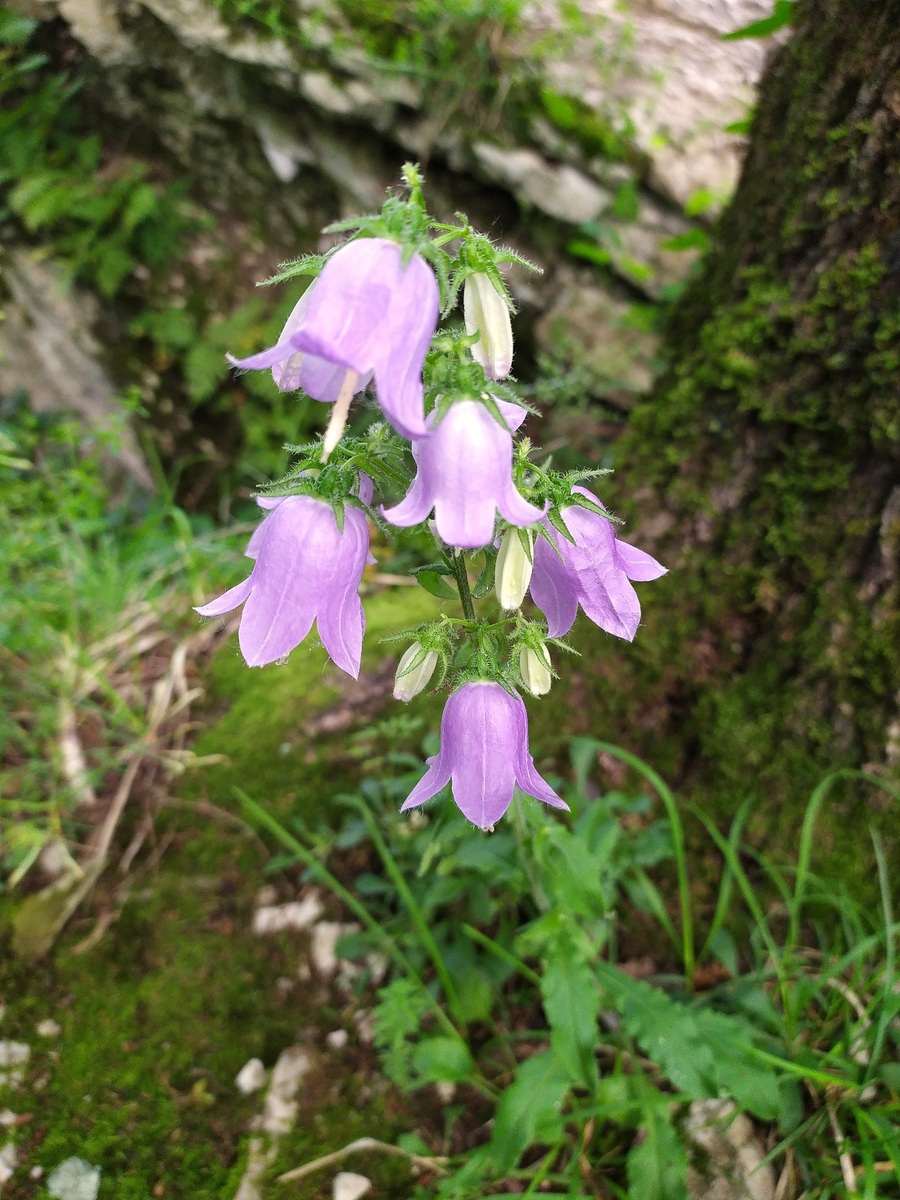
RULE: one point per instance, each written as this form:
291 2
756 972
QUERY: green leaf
442 1060
529 1111
434 583
572 1003
581 248
782 14
754 1086
657 1165
695 239
667 1032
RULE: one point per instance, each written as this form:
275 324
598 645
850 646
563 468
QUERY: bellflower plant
595 572
371 313
484 754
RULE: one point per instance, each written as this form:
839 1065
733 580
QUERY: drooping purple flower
306 570
465 475
367 314
594 573
484 753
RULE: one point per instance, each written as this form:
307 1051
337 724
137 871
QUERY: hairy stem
462 584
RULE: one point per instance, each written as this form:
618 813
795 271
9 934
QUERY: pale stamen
339 412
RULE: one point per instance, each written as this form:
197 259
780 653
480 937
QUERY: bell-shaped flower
485 312
595 573
484 754
465 475
306 569
366 314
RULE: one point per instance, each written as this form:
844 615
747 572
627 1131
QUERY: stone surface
348 1185
48 349
586 328
734 1168
251 1077
297 914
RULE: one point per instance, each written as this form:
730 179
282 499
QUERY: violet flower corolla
366 314
484 754
306 569
595 572
465 474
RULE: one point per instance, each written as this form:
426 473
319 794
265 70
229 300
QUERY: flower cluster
369 321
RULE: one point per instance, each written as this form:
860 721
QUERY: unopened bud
486 314
411 680
534 666
513 571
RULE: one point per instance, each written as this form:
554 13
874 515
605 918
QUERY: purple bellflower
484 753
465 475
594 573
306 570
367 314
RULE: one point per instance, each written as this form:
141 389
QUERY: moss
292 734
161 1014
771 448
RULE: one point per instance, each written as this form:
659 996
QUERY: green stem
462 584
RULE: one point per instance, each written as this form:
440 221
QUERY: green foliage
75 564
96 211
531 915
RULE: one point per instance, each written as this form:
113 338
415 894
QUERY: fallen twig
365 1143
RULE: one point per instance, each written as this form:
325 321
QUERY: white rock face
349 1186
681 85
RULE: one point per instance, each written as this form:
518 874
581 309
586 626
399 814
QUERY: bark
771 447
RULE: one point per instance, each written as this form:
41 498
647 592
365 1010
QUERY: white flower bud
535 668
486 314
410 680
513 571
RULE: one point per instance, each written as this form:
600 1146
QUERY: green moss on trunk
766 465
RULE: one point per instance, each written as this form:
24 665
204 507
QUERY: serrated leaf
434 583
485 580
554 516
442 1060
668 1032
529 1111
572 1004
657 1165
754 1086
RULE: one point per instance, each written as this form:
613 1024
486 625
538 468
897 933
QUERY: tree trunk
765 468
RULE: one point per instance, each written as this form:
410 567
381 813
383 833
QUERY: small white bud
513 571
535 668
485 313
410 680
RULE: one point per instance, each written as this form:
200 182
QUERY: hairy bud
410 680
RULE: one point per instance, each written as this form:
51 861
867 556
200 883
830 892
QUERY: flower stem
462 584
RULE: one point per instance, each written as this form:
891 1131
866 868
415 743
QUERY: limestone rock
735 1169
47 348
